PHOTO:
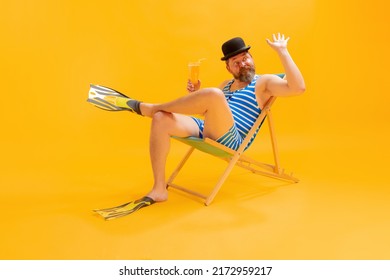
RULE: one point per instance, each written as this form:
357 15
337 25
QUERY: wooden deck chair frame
233 157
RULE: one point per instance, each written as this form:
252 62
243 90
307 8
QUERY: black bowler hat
233 47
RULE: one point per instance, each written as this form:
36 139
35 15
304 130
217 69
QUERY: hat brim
229 55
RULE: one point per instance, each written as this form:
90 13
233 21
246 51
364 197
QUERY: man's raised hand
279 41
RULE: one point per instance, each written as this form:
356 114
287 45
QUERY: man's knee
216 95
161 118
216 92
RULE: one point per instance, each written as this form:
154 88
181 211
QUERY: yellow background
62 157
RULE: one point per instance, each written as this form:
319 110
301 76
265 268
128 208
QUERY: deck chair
233 157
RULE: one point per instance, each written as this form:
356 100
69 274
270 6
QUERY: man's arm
293 84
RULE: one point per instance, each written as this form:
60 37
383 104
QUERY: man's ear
228 68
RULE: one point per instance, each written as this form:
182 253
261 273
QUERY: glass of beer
193 72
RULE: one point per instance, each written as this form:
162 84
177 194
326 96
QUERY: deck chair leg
180 166
274 144
222 179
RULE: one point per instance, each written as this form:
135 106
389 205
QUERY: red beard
246 74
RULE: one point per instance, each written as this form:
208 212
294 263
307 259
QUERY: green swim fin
98 96
124 209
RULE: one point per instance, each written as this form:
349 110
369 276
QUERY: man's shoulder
223 84
264 78
261 80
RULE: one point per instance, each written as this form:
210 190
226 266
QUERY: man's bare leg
163 126
209 102
168 119
165 123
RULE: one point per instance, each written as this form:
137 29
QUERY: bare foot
158 196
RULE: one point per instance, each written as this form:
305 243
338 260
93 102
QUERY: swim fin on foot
124 209
104 98
97 96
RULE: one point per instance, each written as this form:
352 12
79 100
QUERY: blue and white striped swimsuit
245 110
